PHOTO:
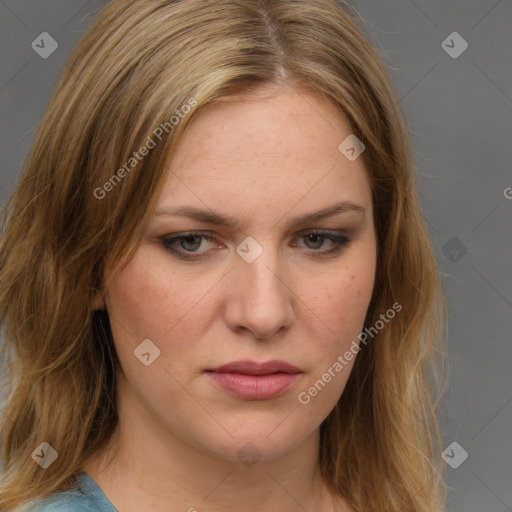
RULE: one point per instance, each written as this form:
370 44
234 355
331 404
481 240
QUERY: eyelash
339 240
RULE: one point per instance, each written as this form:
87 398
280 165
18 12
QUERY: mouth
251 380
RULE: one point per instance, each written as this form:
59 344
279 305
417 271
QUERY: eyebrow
211 217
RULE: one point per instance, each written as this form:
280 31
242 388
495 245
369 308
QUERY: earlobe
98 302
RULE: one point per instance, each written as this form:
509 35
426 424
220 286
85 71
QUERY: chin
256 443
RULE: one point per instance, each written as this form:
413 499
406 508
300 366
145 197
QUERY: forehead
265 152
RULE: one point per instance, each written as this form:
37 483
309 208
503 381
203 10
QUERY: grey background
459 111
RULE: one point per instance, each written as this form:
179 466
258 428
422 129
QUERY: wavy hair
70 220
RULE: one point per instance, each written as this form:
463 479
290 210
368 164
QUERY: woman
217 288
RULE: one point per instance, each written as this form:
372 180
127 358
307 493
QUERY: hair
76 218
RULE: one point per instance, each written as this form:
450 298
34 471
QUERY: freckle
352 276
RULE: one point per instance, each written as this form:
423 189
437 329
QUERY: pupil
192 237
317 237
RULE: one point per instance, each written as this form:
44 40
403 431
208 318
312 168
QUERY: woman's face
265 289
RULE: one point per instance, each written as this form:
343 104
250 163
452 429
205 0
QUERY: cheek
143 304
149 299
341 305
341 301
148 302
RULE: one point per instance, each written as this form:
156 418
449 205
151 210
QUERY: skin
263 161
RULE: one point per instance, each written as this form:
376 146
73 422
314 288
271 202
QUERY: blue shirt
86 497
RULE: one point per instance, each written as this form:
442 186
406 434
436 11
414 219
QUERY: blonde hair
135 68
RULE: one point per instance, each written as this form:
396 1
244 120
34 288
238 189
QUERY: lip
248 367
252 380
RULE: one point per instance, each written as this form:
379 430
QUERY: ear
98 301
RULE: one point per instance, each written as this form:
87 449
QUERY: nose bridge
263 274
261 301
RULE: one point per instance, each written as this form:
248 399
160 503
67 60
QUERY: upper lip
249 367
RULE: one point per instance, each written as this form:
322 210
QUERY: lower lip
254 387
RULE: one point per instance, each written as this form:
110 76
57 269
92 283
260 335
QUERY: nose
259 297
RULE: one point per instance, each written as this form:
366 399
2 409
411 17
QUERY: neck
147 467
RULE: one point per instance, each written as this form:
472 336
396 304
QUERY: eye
189 242
187 245
315 240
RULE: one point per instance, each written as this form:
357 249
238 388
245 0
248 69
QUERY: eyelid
213 235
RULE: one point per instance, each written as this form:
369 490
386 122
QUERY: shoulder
71 501
85 497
